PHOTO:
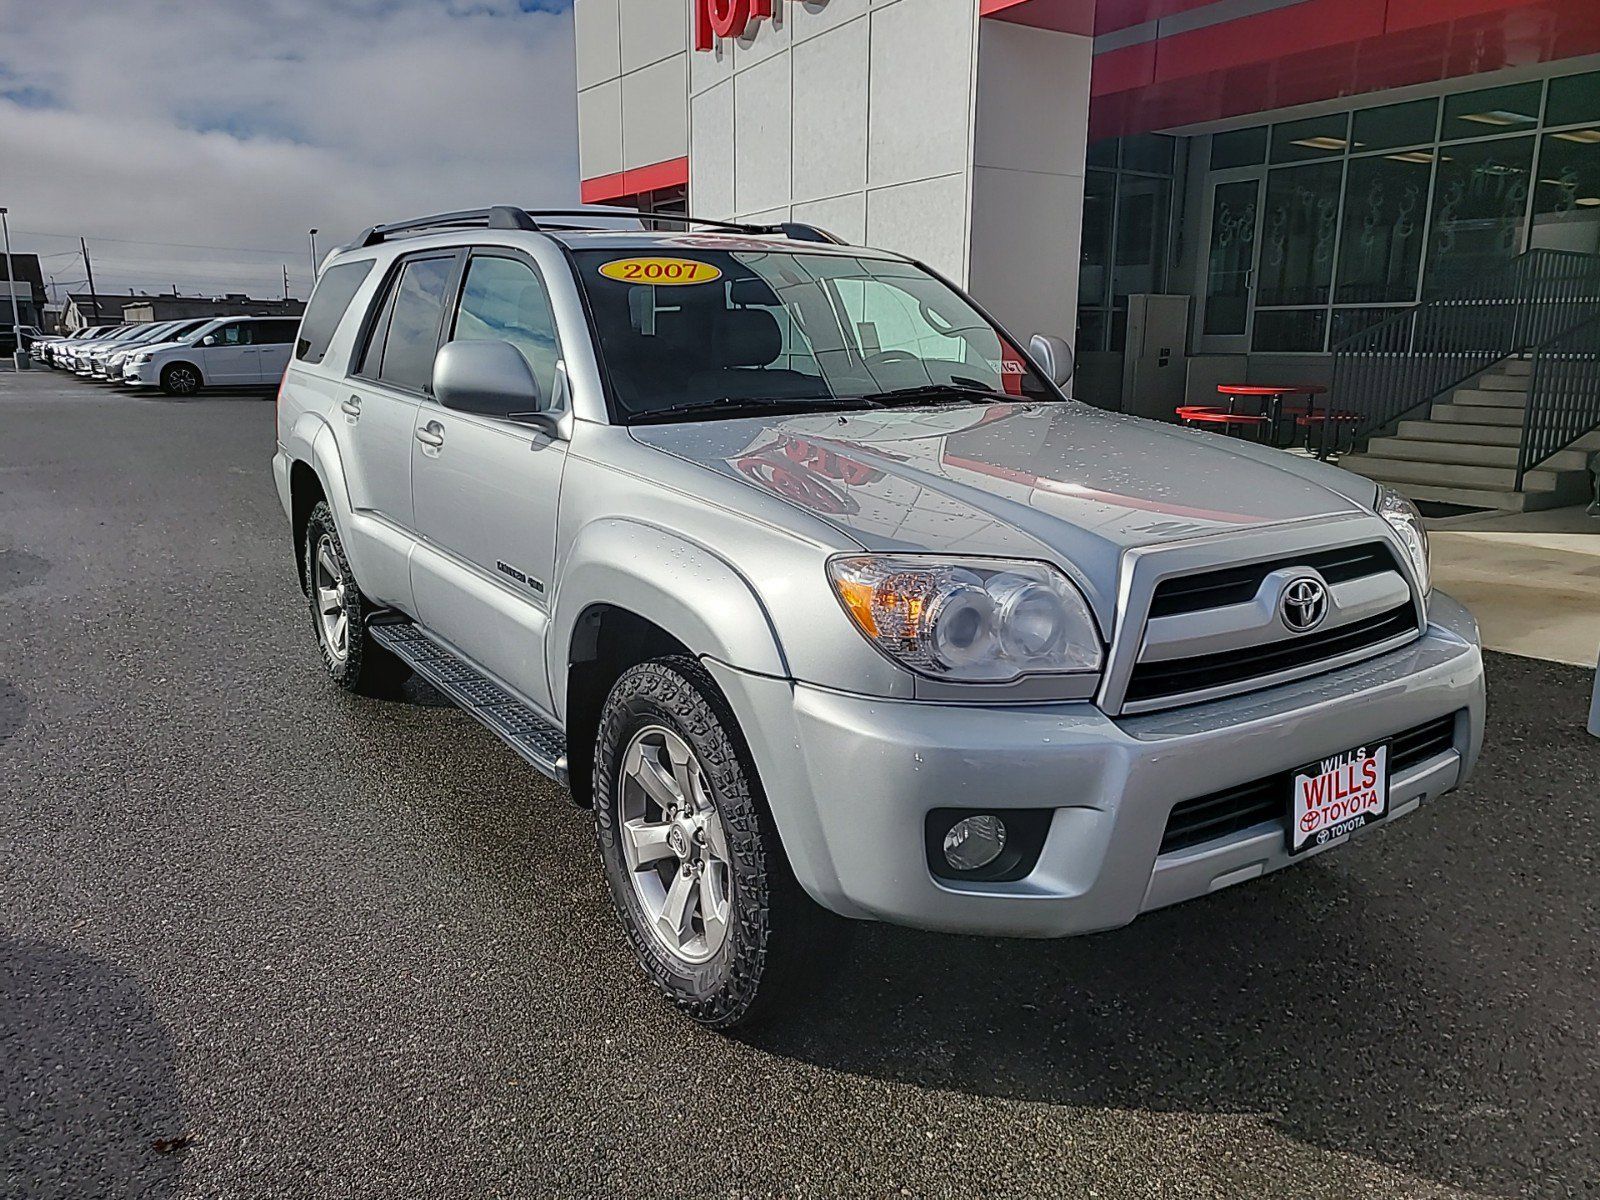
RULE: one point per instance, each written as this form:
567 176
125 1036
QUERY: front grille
1158 680
1267 800
1238 585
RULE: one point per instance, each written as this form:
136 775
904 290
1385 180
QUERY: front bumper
851 779
143 375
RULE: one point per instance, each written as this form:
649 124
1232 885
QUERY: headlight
1406 518
971 620
139 360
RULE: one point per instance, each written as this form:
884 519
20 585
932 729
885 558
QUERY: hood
1066 482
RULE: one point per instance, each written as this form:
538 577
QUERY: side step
518 726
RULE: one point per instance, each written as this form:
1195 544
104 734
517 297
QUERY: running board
518 726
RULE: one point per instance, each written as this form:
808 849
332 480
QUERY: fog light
974 842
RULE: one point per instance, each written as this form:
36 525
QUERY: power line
168 245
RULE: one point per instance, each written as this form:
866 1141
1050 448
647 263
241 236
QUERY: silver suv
810 580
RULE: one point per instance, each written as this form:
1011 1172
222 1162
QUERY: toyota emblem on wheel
1304 604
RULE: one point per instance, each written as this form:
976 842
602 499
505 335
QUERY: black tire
774 928
181 379
363 667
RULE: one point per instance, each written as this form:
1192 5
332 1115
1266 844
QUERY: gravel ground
261 939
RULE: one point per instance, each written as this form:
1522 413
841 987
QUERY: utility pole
313 236
285 281
89 271
19 356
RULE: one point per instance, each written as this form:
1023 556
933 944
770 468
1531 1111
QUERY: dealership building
1190 191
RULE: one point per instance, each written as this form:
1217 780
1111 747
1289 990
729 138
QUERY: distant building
143 309
29 289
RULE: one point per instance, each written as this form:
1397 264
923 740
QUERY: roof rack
503 216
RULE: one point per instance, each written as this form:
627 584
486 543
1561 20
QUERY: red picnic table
1274 407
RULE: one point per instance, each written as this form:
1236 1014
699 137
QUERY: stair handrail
1389 370
1563 394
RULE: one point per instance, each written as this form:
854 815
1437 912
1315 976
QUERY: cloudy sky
194 142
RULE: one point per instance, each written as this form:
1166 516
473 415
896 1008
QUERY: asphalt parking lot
258 938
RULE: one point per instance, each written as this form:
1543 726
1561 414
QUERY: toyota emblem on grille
1304 604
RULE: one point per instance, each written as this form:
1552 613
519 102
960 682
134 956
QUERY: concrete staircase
1465 452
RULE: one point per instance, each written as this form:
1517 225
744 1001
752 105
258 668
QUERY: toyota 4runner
808 578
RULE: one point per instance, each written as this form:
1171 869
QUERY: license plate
1336 796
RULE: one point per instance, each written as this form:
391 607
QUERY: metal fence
1564 396
1391 369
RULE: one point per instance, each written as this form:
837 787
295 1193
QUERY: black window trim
382 304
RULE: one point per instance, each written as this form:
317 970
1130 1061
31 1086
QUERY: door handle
351 407
431 434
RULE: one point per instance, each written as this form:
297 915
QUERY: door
377 415
228 356
1233 218
274 343
486 489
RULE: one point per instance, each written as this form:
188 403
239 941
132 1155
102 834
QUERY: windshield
706 333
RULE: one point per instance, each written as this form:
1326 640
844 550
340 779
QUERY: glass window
237 334
1396 125
1385 206
1494 110
1566 202
329 301
1238 148
1318 137
1347 322
1148 152
1141 236
1091 329
795 329
1298 232
1479 206
1290 332
275 333
505 300
1103 153
411 339
1094 269
1231 256
1574 99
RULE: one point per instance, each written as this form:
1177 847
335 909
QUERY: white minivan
230 352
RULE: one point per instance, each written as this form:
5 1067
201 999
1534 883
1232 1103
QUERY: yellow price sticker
663 272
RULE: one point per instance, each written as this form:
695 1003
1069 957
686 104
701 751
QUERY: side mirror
491 379
1054 355
210 339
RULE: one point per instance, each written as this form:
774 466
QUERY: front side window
503 299
233 335
707 333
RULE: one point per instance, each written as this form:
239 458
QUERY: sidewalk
1531 579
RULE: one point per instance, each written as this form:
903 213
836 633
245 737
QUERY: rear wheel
339 613
713 913
180 379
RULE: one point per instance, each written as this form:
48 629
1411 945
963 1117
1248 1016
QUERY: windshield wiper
729 406
959 392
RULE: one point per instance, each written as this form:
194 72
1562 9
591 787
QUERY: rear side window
275 333
403 341
330 300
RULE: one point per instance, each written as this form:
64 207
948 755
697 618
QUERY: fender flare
681 585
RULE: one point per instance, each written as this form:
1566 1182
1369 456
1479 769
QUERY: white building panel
655 112
830 139
652 30
761 136
711 150
598 34
600 130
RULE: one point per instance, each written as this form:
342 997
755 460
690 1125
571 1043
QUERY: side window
275 333
329 302
503 299
404 339
237 334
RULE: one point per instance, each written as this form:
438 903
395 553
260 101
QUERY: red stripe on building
674 172
1064 16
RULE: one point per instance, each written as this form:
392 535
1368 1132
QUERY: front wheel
705 893
180 379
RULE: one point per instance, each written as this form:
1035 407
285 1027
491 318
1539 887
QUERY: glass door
1233 219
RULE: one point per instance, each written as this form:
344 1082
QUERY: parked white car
230 352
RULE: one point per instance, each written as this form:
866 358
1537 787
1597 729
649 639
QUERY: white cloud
243 123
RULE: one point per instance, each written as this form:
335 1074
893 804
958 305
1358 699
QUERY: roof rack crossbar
505 216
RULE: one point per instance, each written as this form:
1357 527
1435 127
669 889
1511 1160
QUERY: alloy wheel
674 845
332 614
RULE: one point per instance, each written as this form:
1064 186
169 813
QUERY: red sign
725 19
